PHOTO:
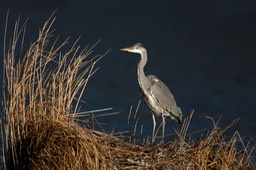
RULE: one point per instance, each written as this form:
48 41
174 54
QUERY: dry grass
42 91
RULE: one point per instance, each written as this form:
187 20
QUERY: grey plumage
155 93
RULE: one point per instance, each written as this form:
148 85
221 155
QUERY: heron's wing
160 93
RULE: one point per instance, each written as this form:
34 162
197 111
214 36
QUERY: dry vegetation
42 91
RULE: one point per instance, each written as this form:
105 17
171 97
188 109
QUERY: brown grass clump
38 129
216 151
42 91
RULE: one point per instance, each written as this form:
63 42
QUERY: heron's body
155 93
157 102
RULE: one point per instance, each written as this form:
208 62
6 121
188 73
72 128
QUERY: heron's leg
163 125
154 127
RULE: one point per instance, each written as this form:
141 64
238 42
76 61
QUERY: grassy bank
42 90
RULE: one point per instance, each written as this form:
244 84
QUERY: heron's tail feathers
176 114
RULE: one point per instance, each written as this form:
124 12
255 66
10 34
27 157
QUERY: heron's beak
128 49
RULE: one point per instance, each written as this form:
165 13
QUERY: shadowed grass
39 130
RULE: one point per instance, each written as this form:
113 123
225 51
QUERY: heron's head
136 48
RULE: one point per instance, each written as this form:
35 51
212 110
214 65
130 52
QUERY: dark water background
205 52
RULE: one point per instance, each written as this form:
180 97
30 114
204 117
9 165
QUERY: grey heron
155 93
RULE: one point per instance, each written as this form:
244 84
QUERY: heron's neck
142 63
